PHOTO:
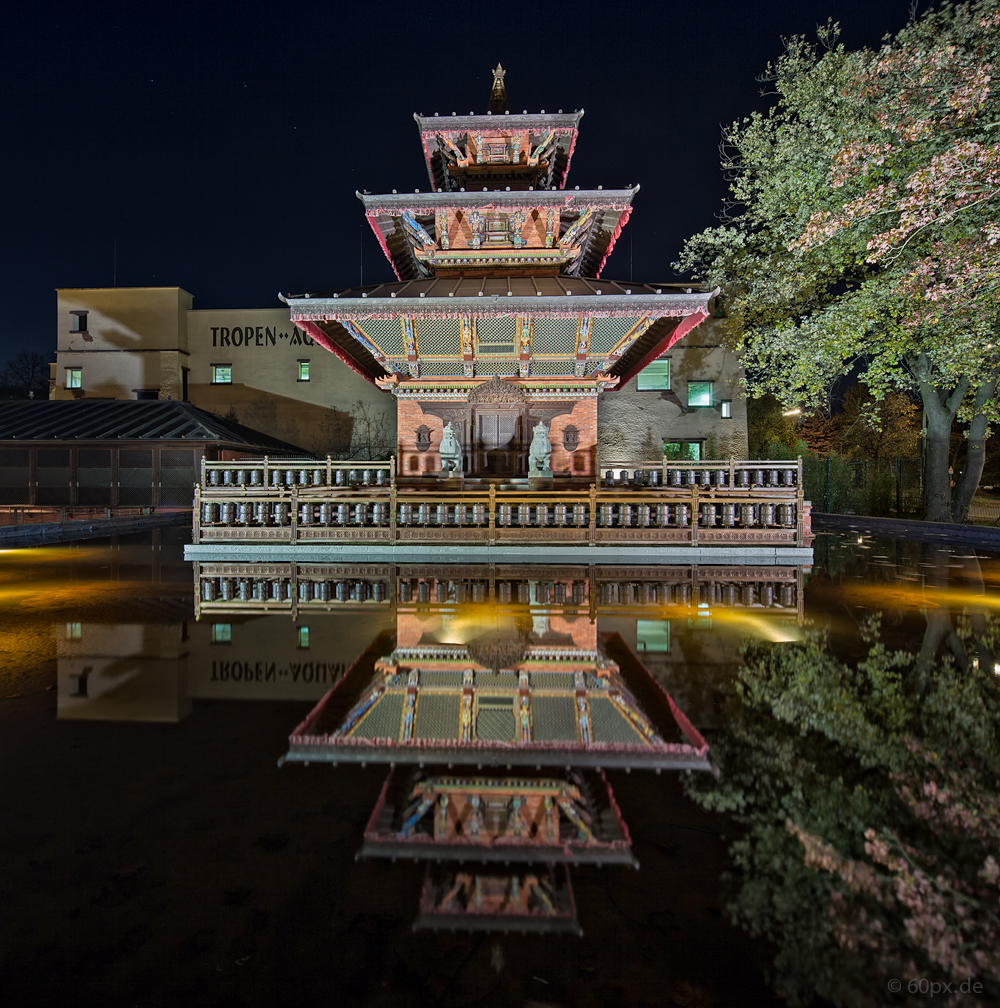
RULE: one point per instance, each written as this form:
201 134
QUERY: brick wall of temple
583 461
409 418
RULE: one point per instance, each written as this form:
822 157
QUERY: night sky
221 144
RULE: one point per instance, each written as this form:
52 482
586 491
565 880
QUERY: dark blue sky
221 143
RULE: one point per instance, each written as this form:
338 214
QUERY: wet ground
154 854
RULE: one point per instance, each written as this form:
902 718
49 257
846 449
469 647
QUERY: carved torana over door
499 441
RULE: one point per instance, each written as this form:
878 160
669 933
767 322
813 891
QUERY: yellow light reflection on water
758 625
905 596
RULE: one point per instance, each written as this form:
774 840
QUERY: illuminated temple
498 323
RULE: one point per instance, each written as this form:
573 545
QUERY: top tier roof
466 150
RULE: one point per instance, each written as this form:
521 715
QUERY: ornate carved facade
498 320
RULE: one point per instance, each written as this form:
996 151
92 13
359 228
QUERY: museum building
498 322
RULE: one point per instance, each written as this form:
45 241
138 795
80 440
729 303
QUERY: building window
699 393
303 370
222 374
682 451
222 633
74 377
655 375
78 323
74 631
703 621
652 635
726 409
303 637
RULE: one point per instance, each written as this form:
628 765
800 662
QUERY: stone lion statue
540 452
450 451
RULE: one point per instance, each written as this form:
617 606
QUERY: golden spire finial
498 96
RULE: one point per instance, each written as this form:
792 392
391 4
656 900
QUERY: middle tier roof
493 232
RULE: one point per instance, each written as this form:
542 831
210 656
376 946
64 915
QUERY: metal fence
38 515
891 487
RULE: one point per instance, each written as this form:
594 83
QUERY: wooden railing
689 516
568 590
280 475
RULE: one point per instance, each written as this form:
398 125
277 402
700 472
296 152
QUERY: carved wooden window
495 152
498 229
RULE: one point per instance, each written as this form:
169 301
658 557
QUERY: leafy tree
869 797
25 376
767 426
820 432
863 230
878 429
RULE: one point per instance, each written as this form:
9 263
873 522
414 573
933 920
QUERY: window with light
74 631
652 635
303 370
699 393
655 375
222 633
726 409
74 377
682 451
222 374
303 637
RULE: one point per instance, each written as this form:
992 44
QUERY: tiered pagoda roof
507 232
483 327
497 267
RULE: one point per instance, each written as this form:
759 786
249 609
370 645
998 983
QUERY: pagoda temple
498 323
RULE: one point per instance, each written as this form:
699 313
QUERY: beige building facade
252 365
257 367
689 403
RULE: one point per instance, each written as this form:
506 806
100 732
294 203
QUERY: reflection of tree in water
870 800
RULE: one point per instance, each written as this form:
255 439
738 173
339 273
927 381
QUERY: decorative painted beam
312 330
677 333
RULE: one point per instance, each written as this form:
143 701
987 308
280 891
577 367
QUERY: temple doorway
499 444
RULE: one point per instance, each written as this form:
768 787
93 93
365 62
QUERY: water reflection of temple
497 707
685 622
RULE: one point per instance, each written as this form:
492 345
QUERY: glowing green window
222 374
303 370
222 633
655 375
303 636
74 377
699 393
682 451
652 635
74 631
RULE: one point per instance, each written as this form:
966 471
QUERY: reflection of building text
263 672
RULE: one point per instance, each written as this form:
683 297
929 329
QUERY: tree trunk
940 408
975 457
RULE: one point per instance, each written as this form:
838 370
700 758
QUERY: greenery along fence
890 487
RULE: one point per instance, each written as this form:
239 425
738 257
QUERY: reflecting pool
502 785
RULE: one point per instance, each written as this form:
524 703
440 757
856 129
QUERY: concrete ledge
306 553
903 528
97 528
